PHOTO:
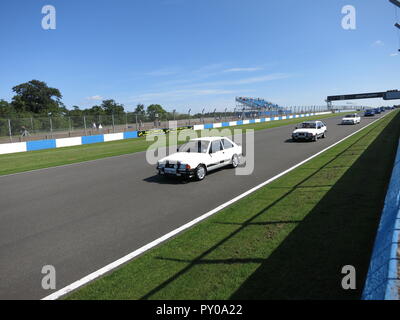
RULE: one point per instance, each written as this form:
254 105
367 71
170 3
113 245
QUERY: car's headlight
184 166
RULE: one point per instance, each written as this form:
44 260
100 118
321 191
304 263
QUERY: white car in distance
353 118
199 156
310 131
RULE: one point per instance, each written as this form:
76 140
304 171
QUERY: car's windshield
197 146
351 116
308 125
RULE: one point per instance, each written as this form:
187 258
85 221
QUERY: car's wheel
201 172
315 138
324 135
235 161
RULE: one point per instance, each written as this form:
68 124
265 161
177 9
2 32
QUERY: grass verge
288 240
25 161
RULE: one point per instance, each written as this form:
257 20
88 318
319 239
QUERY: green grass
288 240
25 161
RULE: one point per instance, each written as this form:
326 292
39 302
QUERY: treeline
36 99
38 107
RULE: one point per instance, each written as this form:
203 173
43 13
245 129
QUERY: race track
81 217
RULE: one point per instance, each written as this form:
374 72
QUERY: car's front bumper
303 138
349 122
186 173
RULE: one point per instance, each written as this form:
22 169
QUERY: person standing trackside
24 132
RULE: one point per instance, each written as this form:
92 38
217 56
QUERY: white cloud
394 54
265 78
243 69
180 94
95 98
209 68
378 43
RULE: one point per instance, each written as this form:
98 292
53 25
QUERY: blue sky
199 53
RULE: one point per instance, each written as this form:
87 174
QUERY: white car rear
199 156
353 118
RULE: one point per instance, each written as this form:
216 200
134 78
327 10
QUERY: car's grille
171 165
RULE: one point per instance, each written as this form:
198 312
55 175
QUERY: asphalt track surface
84 216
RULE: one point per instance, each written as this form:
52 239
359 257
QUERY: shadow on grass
339 231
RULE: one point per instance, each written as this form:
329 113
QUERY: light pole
189 115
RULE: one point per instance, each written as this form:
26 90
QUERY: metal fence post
84 123
136 122
9 130
31 125
51 127
69 125
113 124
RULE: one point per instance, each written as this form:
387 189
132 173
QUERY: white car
353 118
199 156
310 131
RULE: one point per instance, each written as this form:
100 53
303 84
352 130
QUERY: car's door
229 150
323 127
216 155
319 128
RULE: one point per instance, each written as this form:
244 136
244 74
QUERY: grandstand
259 107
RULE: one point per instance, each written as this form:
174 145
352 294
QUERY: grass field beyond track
25 161
289 240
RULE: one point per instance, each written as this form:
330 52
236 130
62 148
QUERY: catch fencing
42 128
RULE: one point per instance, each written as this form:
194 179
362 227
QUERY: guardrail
383 279
7 148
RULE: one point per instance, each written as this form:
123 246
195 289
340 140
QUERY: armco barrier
76 141
383 281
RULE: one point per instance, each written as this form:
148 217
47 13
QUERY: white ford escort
353 118
310 131
199 156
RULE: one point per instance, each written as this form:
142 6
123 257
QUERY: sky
195 54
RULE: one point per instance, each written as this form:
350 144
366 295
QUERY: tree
153 110
111 107
36 97
95 110
139 109
6 109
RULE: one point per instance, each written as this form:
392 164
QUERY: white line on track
94 275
